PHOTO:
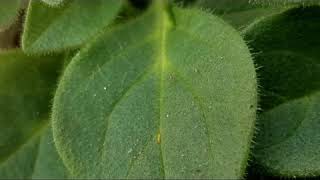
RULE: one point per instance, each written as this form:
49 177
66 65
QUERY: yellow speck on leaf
158 138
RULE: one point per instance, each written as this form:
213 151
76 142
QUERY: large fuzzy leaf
26 89
160 97
287 47
8 12
68 26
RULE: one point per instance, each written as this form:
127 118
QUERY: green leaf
48 164
159 97
27 85
53 2
8 12
68 26
287 48
242 19
239 13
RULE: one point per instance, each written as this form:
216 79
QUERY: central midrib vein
164 23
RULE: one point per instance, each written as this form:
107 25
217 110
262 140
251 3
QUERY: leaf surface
159 97
68 26
287 48
26 90
8 13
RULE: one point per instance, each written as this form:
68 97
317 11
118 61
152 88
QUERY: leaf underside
68 26
159 97
26 88
287 47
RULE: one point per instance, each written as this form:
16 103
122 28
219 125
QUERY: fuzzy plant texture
159 89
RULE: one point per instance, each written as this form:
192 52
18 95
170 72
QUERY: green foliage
8 12
49 29
285 2
241 19
226 6
27 85
48 164
159 89
159 97
239 13
288 48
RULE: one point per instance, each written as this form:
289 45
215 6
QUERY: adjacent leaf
160 97
239 13
27 85
289 138
48 164
68 26
242 19
287 48
285 2
8 12
53 2
222 6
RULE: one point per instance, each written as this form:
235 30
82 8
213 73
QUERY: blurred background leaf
66 27
286 47
9 10
239 13
27 85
